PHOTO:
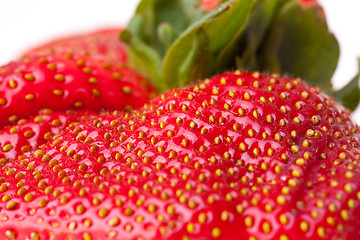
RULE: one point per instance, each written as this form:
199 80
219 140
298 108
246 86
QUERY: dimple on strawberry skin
240 156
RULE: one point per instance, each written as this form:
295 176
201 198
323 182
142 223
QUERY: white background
27 23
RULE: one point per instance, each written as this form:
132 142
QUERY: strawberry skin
63 80
209 5
103 43
20 140
309 2
241 156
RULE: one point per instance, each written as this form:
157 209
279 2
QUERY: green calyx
176 42
349 95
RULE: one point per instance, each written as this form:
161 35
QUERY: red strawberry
309 2
209 4
102 43
18 141
65 80
241 156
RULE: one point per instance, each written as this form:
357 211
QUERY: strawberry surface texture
241 156
65 80
20 140
102 43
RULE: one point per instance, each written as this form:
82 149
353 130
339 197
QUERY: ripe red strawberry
309 2
66 80
20 140
241 156
209 4
102 43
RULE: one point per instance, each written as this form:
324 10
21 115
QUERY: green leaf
299 43
145 59
152 14
175 43
181 67
349 95
166 35
248 59
206 49
261 18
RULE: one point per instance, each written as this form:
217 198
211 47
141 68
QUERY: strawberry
65 80
18 141
241 156
209 5
103 43
309 2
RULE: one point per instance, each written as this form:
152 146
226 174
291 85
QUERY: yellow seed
190 227
266 227
321 232
127 90
96 92
351 203
314 214
300 162
10 234
304 94
59 77
34 236
2 101
304 226
87 236
283 219
295 148
249 221
284 237
281 200
7 148
12 84
170 209
29 77
330 221
11 205
80 209
297 120
30 97
348 188
296 173
292 183
202 218
93 80
103 212
215 232
225 216
342 155
345 215
114 221
349 174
